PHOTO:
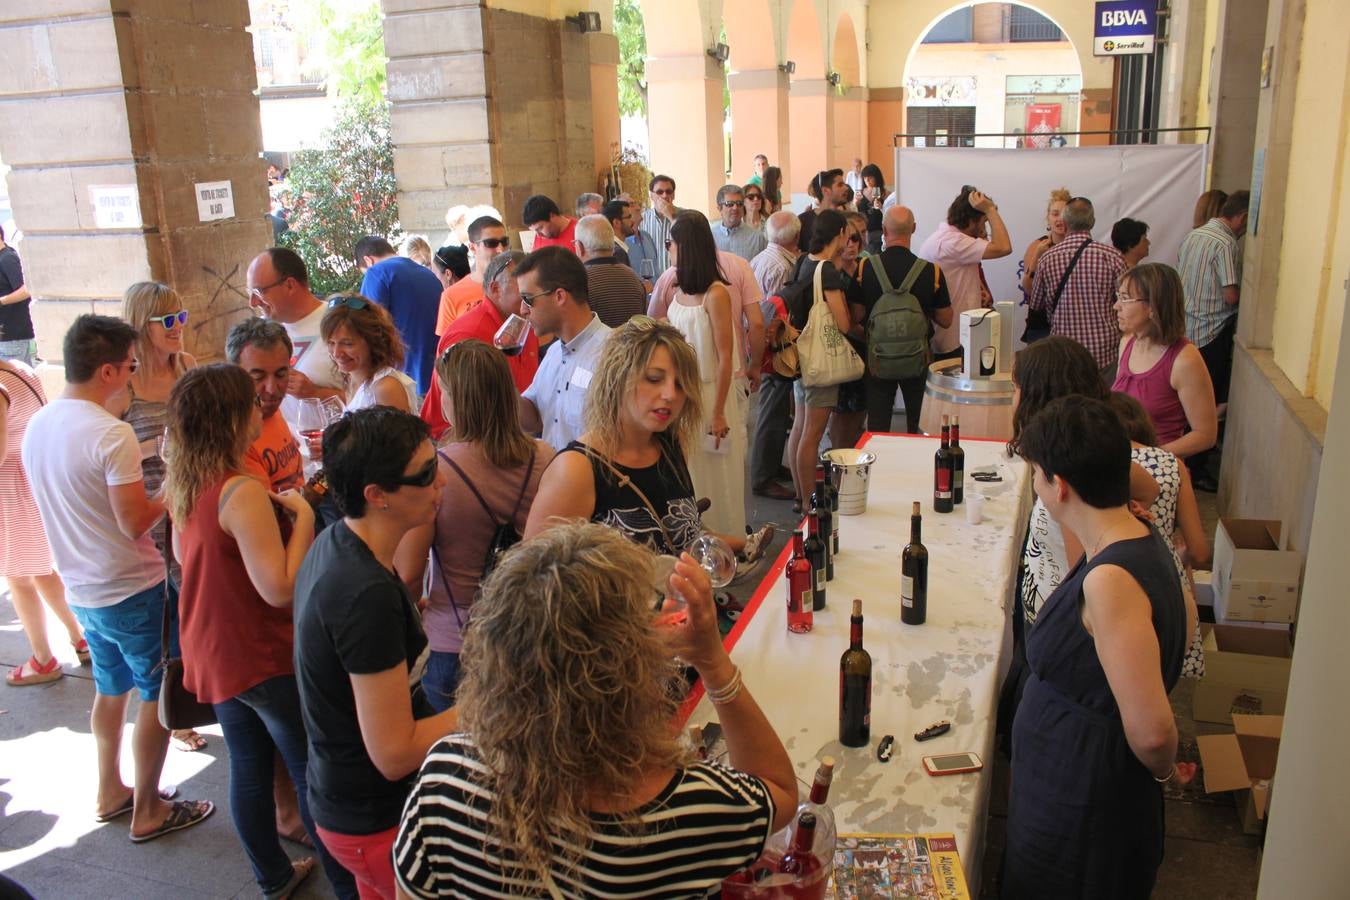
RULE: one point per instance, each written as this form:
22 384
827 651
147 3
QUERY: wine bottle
820 500
958 464
832 491
855 686
799 599
914 573
942 471
820 786
802 861
818 556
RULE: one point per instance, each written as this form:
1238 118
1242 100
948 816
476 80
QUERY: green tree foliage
346 40
632 37
342 193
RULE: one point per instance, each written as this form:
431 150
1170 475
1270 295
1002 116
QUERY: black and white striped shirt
707 823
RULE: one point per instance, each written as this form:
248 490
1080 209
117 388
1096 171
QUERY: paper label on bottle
907 590
805 601
820 579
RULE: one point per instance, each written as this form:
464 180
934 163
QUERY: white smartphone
952 763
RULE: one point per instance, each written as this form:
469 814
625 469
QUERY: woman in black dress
1094 737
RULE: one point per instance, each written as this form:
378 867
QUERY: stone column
759 121
113 112
684 94
604 56
811 111
1235 88
488 106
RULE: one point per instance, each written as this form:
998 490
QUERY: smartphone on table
952 763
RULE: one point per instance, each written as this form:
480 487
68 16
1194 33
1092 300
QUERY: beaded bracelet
728 692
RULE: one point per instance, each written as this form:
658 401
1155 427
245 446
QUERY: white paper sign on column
215 200
116 205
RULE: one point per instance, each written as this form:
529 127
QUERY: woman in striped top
570 781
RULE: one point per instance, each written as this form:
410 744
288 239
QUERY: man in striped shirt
1084 308
1210 266
658 218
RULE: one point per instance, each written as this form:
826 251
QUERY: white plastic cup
974 504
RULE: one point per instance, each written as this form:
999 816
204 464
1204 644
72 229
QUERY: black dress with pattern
1085 817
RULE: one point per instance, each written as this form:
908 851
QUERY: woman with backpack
492 471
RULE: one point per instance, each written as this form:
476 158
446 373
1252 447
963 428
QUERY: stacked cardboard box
1254 580
1244 761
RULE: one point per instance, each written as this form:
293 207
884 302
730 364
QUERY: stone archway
811 98
850 107
759 88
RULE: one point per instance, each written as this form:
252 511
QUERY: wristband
728 692
1171 772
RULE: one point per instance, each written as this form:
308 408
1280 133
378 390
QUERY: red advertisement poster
1042 122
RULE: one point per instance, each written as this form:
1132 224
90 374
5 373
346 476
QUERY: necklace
1101 537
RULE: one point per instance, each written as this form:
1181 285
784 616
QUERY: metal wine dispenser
982 337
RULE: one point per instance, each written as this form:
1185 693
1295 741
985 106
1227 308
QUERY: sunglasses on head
178 318
423 477
494 243
349 302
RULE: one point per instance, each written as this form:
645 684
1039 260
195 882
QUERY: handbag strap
25 383
520 498
626 481
164 620
1064 279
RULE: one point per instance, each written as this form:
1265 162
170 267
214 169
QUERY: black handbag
179 708
1038 320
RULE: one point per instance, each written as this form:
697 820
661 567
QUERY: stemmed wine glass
511 337
314 416
713 555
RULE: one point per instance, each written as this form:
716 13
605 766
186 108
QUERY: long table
949 668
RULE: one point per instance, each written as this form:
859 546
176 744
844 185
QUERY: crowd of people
354 607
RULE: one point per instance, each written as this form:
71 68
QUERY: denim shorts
815 397
25 351
124 642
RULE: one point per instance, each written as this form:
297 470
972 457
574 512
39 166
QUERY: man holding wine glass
502 300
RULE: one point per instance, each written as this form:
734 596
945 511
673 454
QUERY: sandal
38 673
300 870
297 835
82 651
187 740
165 794
183 814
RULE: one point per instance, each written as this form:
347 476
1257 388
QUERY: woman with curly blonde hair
569 780
1054 233
366 348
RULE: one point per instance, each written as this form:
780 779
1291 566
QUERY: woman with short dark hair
357 637
1130 237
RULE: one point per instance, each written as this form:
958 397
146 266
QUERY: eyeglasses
854 239
423 477
131 364
664 192
494 243
668 243
530 299
1125 298
349 302
732 204
749 197
259 291
171 319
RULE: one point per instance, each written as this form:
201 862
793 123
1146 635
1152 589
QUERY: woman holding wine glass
491 470
366 348
628 469
567 775
158 315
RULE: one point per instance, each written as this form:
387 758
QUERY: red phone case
975 768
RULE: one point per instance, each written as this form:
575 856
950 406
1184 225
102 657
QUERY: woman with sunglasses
492 470
850 413
237 636
366 348
158 315
755 216
358 636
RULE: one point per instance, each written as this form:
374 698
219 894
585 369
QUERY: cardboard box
1246 671
1244 762
1254 580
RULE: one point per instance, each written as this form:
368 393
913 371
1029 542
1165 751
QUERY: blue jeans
256 723
440 679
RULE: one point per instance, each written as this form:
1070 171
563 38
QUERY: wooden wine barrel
985 405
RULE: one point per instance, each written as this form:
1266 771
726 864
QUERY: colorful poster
898 867
1042 122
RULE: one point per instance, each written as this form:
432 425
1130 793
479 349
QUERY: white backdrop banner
1157 184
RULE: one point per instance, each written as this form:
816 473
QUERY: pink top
1154 390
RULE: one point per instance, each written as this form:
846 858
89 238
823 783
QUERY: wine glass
671 608
715 557
333 409
311 420
511 337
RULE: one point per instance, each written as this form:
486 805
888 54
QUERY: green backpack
897 329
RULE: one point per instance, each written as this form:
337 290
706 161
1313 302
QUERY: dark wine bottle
799 599
832 491
914 573
818 556
942 471
820 500
801 861
855 687
958 464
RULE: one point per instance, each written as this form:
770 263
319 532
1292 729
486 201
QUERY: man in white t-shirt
84 465
959 246
278 289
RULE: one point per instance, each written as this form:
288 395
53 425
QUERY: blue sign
1124 27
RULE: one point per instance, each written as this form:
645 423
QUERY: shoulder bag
826 356
179 707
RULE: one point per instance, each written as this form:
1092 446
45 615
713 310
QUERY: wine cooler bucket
852 474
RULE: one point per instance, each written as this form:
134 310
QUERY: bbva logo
1115 18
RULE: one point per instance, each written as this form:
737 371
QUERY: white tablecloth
948 668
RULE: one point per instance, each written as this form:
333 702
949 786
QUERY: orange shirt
456 300
274 458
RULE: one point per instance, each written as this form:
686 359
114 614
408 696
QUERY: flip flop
165 794
184 814
189 744
300 870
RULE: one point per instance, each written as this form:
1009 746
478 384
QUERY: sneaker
756 543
